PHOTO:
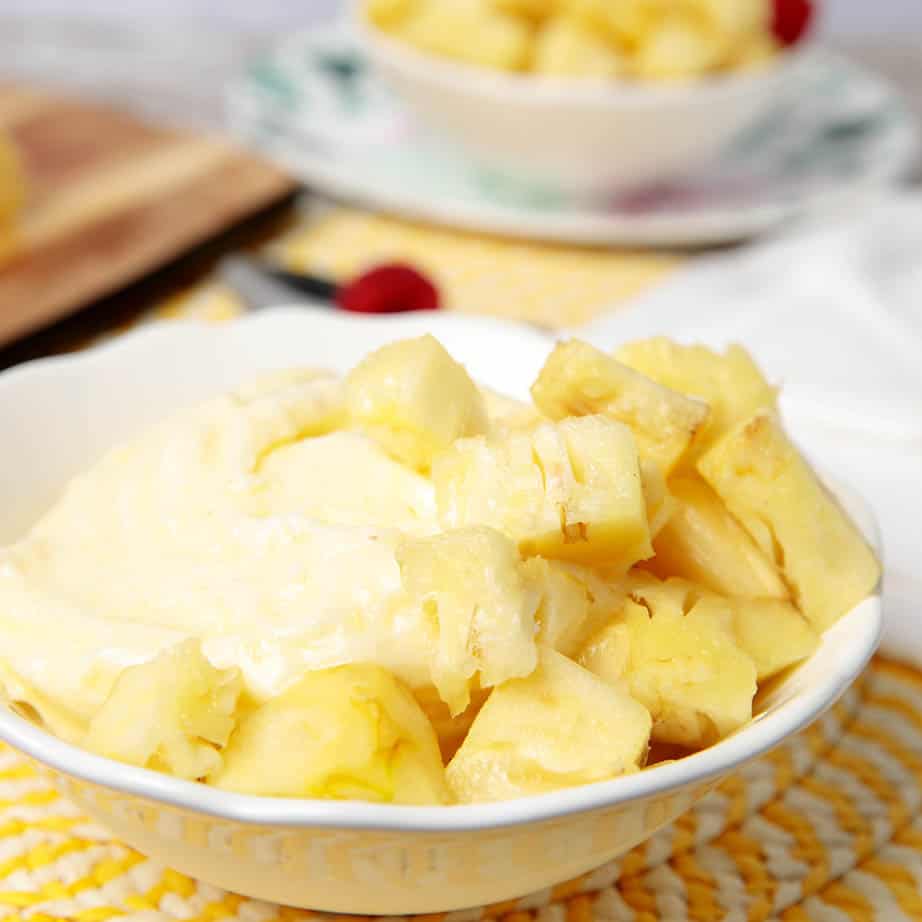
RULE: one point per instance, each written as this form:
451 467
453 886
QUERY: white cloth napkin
834 315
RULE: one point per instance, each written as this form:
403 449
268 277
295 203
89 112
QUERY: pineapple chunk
737 19
559 727
172 714
575 602
415 399
772 632
625 23
507 415
473 591
535 10
580 380
351 732
565 47
656 39
730 383
685 669
389 14
570 491
702 542
450 729
677 46
776 496
658 499
470 32
677 595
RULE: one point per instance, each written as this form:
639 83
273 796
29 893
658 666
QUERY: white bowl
583 137
57 416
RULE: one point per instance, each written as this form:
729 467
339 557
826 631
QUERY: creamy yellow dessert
600 39
399 586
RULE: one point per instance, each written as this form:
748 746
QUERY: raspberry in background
389 289
791 19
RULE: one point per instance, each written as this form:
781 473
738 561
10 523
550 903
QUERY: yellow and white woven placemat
549 285
827 828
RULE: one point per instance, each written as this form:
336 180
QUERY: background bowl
58 415
584 137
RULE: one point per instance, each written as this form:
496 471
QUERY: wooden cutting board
110 199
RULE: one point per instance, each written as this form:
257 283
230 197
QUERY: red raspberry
389 289
791 19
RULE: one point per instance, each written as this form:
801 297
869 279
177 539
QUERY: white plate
314 106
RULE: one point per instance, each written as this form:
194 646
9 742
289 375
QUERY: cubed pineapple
729 382
559 727
502 42
702 542
173 714
575 602
566 47
415 399
479 605
737 19
351 732
772 632
657 496
535 10
773 492
624 22
580 380
470 32
387 14
686 669
677 46
677 595
449 729
570 490
506 415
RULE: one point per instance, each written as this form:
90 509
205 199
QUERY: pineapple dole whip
401 587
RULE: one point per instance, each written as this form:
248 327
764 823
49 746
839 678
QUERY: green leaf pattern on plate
316 96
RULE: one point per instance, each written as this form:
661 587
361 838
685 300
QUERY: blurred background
171 64
144 49
840 18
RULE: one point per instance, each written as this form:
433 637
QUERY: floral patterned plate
315 107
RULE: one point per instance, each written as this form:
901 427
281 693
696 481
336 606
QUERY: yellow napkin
551 285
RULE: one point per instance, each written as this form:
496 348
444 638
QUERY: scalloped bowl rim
862 625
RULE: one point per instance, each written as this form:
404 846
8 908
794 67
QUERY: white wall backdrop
840 17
